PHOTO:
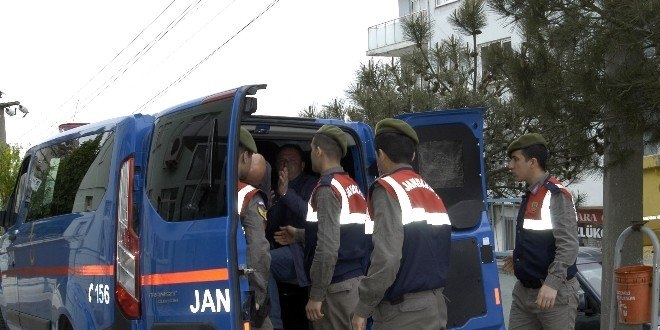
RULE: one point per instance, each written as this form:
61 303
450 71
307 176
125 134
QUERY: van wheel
3 325
64 324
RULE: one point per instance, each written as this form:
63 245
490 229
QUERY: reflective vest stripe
369 227
345 217
545 223
411 214
241 197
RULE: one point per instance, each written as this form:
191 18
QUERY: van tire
64 324
3 325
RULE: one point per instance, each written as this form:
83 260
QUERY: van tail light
127 279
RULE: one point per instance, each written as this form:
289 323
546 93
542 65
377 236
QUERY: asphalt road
506 287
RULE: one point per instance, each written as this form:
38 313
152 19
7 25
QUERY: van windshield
185 178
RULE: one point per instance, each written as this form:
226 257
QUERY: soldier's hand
508 264
546 297
358 322
285 236
313 310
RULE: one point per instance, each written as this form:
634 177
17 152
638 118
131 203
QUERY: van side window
186 179
70 176
16 197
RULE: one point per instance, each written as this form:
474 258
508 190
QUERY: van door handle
243 270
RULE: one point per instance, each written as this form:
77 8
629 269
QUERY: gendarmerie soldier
545 295
411 238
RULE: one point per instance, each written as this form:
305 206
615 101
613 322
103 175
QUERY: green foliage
10 162
589 66
470 18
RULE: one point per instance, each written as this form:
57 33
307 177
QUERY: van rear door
449 157
192 241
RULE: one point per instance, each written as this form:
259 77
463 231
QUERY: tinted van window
186 179
70 176
449 159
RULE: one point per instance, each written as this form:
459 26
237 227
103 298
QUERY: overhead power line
198 30
117 55
187 73
139 55
76 93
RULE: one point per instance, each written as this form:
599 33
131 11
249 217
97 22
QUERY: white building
386 39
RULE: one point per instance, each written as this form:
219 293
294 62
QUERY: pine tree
591 68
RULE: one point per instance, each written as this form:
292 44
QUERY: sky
85 61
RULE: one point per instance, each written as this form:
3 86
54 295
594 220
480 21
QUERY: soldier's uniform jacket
546 240
252 211
345 211
427 234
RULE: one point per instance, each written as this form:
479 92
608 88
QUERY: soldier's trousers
426 310
338 306
525 314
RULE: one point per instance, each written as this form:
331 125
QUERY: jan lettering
207 302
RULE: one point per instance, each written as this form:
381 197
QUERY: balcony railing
386 38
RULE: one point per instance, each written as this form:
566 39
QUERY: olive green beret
396 126
336 134
247 140
525 141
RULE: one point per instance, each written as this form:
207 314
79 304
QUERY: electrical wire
139 55
100 71
187 73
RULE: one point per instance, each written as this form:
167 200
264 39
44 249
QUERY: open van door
193 241
449 157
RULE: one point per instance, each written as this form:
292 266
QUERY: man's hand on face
283 182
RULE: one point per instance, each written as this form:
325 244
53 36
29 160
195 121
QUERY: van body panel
62 261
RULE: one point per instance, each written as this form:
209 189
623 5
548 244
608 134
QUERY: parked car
590 274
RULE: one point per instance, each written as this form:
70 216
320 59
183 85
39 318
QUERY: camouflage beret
247 140
525 141
336 134
397 126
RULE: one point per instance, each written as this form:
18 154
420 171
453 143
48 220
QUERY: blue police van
131 223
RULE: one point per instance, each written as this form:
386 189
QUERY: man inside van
411 241
334 237
289 203
252 211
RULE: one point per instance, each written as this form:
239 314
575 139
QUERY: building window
439 3
487 47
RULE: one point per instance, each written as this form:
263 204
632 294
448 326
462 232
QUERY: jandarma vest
535 241
427 234
353 242
245 194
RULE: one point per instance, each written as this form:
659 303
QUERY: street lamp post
5 108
